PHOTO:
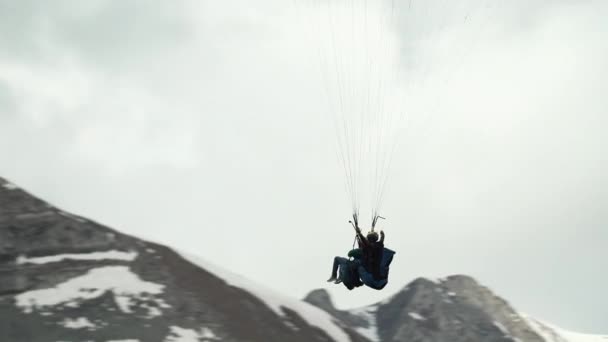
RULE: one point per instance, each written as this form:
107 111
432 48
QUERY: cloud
103 33
8 104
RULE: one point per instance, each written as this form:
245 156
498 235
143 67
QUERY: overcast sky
203 125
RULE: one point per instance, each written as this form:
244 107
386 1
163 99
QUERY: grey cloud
504 181
101 33
8 106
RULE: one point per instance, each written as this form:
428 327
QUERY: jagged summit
320 298
456 308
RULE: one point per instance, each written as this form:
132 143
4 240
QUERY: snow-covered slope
578 337
551 333
276 301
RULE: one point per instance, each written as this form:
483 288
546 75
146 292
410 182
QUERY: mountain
452 309
66 278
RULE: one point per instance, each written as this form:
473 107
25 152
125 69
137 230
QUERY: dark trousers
338 262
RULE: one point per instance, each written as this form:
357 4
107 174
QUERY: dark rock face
54 286
453 309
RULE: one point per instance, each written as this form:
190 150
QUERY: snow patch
368 313
10 186
515 317
501 327
123 341
548 334
291 326
182 335
554 334
124 303
37 215
206 333
178 334
434 280
578 337
119 280
73 217
311 314
107 255
78 323
154 311
416 316
451 294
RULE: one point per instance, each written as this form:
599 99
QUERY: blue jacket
378 283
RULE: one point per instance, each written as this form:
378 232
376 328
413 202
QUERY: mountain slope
66 278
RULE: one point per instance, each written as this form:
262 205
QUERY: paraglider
381 60
369 264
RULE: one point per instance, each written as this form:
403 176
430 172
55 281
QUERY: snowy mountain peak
455 308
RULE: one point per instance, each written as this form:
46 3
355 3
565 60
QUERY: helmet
372 236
